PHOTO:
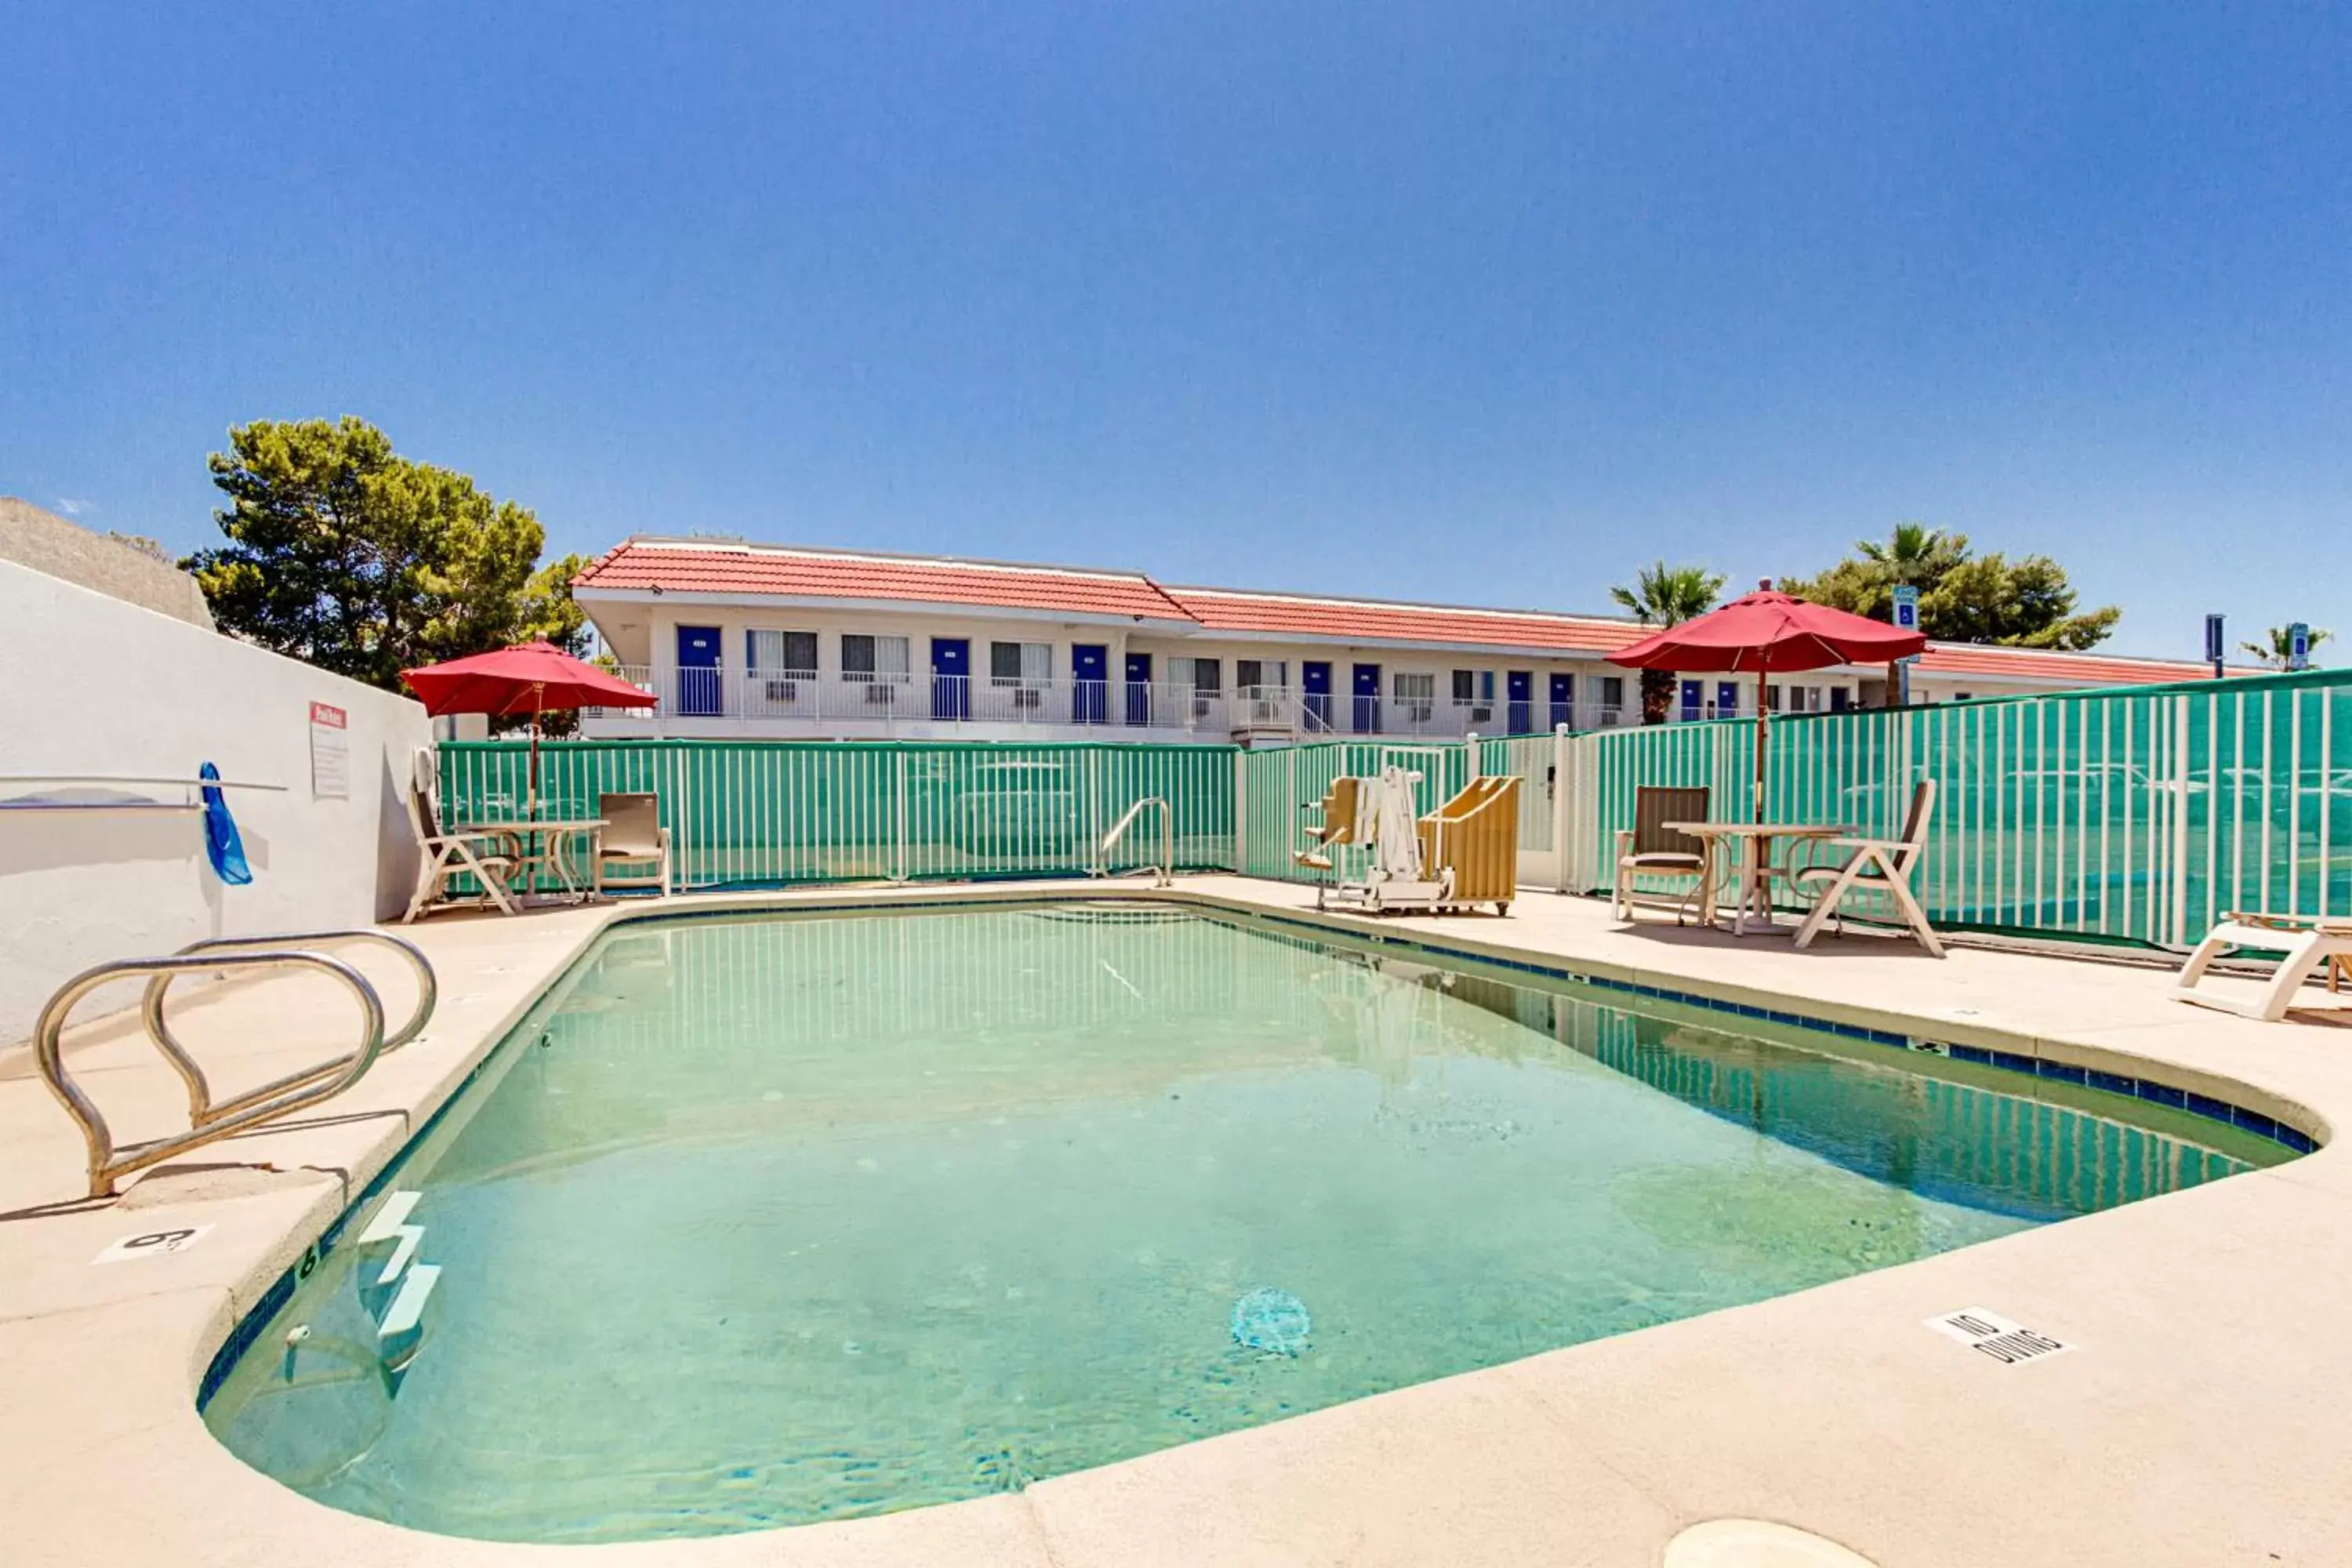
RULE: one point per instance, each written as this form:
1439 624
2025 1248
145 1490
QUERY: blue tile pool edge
249 1326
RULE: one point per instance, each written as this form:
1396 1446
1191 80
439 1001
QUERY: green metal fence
764 812
2139 814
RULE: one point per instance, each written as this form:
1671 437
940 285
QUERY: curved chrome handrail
201 1111
107 1164
1165 872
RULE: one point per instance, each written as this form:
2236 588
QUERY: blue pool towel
221 840
1271 1321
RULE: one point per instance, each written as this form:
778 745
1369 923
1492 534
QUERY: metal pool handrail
201 1111
107 1163
1166 869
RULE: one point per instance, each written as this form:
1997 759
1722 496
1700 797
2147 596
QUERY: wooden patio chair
1651 848
1875 866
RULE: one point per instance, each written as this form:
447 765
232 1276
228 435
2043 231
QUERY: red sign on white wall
330 752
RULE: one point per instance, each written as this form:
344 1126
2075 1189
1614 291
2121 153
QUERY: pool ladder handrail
209 1122
200 1110
1165 872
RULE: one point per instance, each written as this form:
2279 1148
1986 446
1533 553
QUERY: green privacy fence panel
749 813
1275 787
2138 815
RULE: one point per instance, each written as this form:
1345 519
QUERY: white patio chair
631 836
2314 945
448 855
1879 866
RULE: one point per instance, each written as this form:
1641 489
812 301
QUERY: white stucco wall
90 685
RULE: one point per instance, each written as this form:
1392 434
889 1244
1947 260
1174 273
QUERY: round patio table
1753 843
544 845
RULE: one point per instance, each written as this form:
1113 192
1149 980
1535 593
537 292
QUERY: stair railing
107 1163
1165 872
200 1109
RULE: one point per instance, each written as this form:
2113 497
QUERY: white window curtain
1021 663
876 659
792 653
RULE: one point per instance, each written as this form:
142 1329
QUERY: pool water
768 1220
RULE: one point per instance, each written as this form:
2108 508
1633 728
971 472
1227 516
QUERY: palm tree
1916 555
2273 650
1664 596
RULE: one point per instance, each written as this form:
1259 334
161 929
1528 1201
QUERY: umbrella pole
537 692
1763 728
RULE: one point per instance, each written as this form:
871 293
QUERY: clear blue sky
1460 300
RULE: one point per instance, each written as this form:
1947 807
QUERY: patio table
544 844
1753 843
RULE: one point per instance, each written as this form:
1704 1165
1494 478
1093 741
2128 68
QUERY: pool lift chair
1399 878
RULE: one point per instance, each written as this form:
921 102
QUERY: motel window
1473 686
1020 663
873 659
1772 699
1252 674
1202 675
1418 692
1612 691
782 653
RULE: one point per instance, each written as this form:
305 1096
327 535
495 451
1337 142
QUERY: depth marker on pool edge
2005 1339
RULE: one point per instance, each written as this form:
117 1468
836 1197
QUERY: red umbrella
1765 632
529 677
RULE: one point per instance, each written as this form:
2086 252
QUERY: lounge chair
633 835
2314 946
487 857
1473 843
1651 848
1877 866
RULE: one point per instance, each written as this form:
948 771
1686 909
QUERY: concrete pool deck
2201 1418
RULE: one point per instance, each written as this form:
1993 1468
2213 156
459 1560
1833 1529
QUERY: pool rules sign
330 752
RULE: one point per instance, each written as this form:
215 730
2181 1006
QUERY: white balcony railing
792 699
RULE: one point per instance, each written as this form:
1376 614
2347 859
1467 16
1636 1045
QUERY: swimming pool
763 1220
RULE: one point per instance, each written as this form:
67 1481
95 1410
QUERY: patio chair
633 835
1651 848
487 857
1875 866
2313 945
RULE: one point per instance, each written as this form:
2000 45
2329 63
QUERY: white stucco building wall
94 688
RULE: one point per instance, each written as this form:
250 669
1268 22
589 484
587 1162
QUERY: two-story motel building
751 641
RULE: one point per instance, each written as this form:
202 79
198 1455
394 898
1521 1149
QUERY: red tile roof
2066 669
1373 620
709 566
699 566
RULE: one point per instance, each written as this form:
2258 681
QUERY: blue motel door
1139 688
1693 700
1315 677
1519 694
952 678
1563 700
1089 683
1366 694
699 694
